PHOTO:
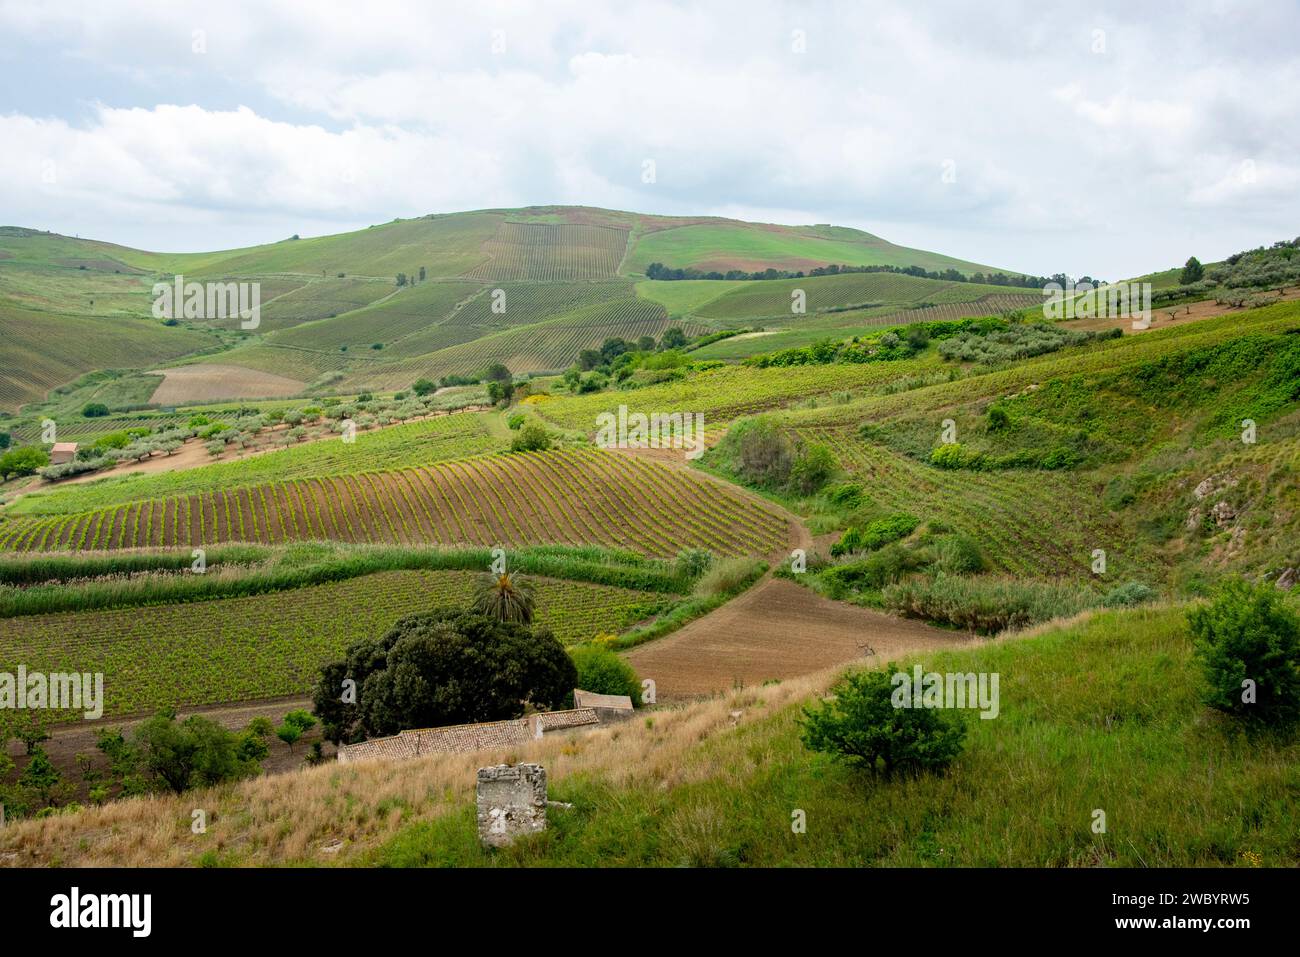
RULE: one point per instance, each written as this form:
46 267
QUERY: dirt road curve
777 629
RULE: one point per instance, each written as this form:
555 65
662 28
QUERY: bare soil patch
1161 318
204 383
778 630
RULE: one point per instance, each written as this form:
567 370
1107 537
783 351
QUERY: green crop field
550 252
399 313
270 645
569 497
420 442
751 246
40 354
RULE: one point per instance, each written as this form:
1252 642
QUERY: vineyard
1028 523
565 497
320 299
40 354
427 440
772 298
549 345
729 392
526 303
549 252
408 310
270 645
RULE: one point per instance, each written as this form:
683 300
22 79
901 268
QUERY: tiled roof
589 699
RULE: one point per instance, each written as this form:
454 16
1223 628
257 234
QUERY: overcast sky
1103 138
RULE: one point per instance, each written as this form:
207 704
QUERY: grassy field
752 246
1098 714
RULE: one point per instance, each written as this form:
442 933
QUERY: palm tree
504 597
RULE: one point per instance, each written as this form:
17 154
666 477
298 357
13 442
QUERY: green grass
752 246
1101 715
273 644
685 297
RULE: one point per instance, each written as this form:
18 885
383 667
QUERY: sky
1107 139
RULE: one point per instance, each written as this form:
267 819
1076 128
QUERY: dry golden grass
351 808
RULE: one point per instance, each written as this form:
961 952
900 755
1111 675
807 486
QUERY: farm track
774 631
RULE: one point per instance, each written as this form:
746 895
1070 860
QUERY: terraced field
527 303
273 644
549 252
567 497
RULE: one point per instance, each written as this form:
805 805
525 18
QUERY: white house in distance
63 452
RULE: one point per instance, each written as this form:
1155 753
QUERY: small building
63 453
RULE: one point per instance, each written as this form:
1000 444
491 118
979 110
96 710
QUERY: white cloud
315 117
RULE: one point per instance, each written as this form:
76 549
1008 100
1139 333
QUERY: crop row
548 252
569 497
270 645
1032 523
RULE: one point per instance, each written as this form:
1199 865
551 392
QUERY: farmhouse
63 452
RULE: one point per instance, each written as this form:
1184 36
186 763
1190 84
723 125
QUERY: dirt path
777 630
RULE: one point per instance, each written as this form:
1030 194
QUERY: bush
516 421
444 667
603 671
693 562
956 555
876 534
1247 634
94 410
847 494
533 437
813 468
23 461
875 571
423 387
759 452
862 727
1128 594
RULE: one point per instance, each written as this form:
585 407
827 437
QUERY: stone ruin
511 802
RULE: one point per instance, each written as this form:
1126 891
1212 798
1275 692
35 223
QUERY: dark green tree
444 667
1192 272
861 726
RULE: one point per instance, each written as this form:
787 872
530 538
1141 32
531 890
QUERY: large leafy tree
443 667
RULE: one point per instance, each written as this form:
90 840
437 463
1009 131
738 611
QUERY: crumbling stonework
511 802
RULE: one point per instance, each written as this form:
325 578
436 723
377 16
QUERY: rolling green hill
333 309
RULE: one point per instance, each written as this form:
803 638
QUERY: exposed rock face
1286 581
511 802
1222 513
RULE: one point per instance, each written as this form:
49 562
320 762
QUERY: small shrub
1128 595
533 437
94 410
693 562
516 421
603 671
1248 634
861 726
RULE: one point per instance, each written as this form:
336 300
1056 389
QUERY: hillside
1087 721
526 287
